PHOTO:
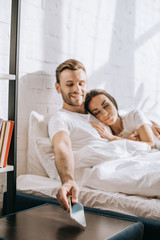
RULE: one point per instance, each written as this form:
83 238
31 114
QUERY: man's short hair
70 64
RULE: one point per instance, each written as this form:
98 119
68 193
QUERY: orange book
6 143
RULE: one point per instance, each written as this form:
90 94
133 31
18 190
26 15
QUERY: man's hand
68 189
156 130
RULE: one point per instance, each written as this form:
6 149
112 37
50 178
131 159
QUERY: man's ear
57 86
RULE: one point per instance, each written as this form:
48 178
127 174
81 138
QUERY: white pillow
46 156
38 127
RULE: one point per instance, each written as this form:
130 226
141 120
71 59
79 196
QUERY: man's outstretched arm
64 160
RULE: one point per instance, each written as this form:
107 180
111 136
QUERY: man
70 129
71 83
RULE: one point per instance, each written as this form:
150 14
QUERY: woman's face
103 109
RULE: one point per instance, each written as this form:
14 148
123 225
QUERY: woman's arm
138 121
156 129
104 132
146 135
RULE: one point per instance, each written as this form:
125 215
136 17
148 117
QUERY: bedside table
51 222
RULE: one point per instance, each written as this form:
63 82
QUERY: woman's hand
134 136
156 130
103 131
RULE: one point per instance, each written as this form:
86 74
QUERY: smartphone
77 213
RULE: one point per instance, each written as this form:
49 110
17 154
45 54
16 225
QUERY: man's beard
67 99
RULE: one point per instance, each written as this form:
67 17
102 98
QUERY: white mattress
122 203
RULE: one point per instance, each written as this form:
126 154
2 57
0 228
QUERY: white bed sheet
117 202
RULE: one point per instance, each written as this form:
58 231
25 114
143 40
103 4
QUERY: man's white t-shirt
78 127
132 121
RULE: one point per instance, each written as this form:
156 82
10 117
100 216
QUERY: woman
133 126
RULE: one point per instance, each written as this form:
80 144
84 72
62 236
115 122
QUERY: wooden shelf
8 168
7 76
12 104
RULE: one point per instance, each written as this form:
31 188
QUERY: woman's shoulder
133 113
137 118
133 116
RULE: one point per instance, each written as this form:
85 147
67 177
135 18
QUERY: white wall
118 42
5 12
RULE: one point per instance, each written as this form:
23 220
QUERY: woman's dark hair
94 93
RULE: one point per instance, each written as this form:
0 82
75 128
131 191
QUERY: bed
139 202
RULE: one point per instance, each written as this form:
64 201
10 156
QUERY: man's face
72 87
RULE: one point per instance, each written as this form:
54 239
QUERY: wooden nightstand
52 222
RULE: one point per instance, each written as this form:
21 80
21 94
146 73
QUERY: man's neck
78 109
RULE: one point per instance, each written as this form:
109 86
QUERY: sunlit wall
5 13
118 42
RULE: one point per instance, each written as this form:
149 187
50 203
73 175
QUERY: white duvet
122 166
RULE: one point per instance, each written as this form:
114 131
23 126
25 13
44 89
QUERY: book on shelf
2 135
5 140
